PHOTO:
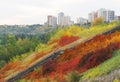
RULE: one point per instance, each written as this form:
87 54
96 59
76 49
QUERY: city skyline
35 11
63 20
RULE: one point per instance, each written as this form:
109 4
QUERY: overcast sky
36 11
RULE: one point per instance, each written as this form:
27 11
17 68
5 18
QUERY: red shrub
52 66
98 56
64 40
67 66
49 66
114 46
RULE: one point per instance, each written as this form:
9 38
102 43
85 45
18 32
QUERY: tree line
14 45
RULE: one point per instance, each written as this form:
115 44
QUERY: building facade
52 21
64 20
92 16
81 21
110 16
61 19
107 15
102 13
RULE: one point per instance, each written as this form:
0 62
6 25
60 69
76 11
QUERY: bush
2 62
97 21
64 40
72 77
104 68
49 66
116 80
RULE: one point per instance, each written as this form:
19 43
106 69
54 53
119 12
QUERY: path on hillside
53 54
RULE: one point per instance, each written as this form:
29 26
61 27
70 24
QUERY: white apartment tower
61 19
107 15
64 20
52 21
110 15
92 16
102 13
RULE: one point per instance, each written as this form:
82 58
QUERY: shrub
104 68
116 80
66 39
97 21
67 66
2 62
49 66
72 77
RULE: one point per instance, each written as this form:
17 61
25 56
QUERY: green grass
104 68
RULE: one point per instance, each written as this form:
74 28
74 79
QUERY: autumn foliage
49 66
97 21
95 58
66 39
98 42
82 57
67 66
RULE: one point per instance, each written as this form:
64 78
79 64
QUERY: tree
2 62
97 21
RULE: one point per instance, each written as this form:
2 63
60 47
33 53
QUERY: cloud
23 14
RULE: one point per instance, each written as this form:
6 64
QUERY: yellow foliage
71 30
68 33
97 21
116 80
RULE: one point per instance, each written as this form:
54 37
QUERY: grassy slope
114 37
74 30
104 68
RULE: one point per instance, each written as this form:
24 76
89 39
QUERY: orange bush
9 66
67 66
64 40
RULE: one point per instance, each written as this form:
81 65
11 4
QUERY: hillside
78 60
84 48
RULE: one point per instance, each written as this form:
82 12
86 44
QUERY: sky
36 11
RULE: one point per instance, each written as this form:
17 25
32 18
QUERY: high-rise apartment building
52 21
64 20
92 16
102 13
61 19
107 15
110 16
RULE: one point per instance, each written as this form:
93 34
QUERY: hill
82 58
84 48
